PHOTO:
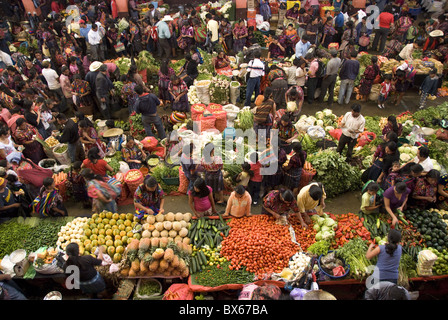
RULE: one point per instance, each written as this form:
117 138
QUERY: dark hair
433 174
316 192
393 120
356 107
393 239
138 89
392 136
77 165
208 16
20 121
392 146
424 152
285 118
240 190
93 154
288 196
268 92
83 123
150 182
88 174
48 181
110 124
4 130
397 293
164 67
203 188
373 187
401 187
246 168
257 54
297 148
61 116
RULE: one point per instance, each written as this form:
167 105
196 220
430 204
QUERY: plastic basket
346 267
171 181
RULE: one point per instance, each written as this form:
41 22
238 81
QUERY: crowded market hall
227 150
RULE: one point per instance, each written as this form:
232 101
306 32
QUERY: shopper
146 104
388 257
256 70
348 73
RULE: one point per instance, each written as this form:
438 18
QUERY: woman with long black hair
200 198
392 126
292 172
389 256
90 280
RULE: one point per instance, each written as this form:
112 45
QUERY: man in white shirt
255 69
352 125
95 38
54 85
423 159
406 52
213 28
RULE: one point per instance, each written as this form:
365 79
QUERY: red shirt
56 7
98 168
386 19
256 169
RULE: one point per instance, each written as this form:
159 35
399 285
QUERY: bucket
63 157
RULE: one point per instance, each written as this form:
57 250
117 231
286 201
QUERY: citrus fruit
115 216
109 243
111 251
117 257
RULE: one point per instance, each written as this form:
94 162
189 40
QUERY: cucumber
199 244
220 218
203 257
215 229
193 265
210 239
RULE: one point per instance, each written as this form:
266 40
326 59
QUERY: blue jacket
339 20
430 85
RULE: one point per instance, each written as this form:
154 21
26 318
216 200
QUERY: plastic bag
366 138
316 132
247 292
149 143
338 271
178 291
124 167
298 293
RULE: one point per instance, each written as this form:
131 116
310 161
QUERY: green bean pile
217 275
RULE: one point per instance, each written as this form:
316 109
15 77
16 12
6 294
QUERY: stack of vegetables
163 248
349 226
354 254
244 119
334 172
30 233
161 172
324 226
258 244
304 237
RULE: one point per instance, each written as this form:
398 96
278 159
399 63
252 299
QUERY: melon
172 234
167 225
160 217
183 232
183 224
155 234
169 216
164 233
179 216
151 219
187 216
177 225
146 234
159 226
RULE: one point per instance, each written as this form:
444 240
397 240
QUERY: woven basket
133 184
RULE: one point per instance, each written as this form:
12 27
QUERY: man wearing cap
164 35
103 87
146 104
329 79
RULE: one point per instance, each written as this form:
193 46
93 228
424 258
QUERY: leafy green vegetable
212 276
335 173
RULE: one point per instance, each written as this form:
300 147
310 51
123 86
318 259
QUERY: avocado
445 216
429 243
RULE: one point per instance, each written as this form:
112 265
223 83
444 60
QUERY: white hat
94 66
436 33
167 18
403 67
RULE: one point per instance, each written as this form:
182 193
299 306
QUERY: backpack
321 69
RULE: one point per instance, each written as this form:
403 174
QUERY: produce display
61 149
52 142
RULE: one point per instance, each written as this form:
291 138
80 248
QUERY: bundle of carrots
259 244
305 237
308 167
59 177
349 226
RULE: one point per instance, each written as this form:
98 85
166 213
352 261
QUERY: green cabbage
329 222
316 227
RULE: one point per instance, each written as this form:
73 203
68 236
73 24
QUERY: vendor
9 207
395 198
25 135
392 126
311 198
133 154
239 203
49 202
201 199
89 137
279 202
433 41
276 50
424 194
423 159
213 172
389 256
221 61
286 133
292 171
90 280
149 198
442 189
96 163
